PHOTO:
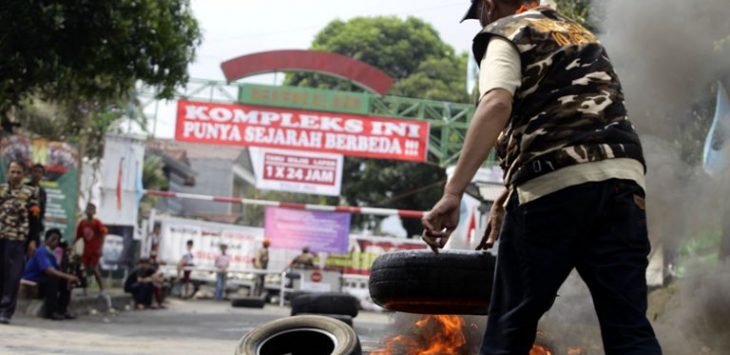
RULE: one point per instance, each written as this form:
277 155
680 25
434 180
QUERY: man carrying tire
573 166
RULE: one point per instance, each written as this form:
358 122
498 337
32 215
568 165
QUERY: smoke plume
668 54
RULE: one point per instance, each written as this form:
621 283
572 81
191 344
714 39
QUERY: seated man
141 284
54 285
305 260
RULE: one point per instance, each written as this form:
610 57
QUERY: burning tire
248 302
310 335
419 281
325 303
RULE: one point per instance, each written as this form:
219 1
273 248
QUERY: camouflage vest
570 108
15 207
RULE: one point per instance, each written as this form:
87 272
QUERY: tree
425 67
409 50
57 121
390 184
578 10
153 178
442 79
89 54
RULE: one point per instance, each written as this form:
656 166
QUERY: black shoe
4 320
69 316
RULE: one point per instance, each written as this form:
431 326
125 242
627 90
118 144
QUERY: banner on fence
322 232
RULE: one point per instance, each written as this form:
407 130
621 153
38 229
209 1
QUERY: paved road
194 327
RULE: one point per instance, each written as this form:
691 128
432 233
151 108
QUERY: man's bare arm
489 120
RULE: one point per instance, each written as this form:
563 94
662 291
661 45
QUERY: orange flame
575 350
540 350
434 335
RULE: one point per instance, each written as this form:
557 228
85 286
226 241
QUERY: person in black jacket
140 283
36 226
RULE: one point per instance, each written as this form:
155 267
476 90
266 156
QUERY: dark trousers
159 295
597 228
259 285
12 263
56 294
142 293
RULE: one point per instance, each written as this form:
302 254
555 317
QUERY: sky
232 28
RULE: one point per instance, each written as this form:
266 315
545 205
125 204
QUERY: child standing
92 231
222 262
185 266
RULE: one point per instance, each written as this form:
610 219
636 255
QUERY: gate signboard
304 98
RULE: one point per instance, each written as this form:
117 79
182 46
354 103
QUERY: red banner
259 126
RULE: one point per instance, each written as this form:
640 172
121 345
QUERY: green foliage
74 122
43 119
90 50
442 79
153 178
580 11
392 184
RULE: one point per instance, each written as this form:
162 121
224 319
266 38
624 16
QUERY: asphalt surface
185 327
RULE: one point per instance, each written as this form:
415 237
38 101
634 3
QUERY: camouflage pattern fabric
15 210
570 107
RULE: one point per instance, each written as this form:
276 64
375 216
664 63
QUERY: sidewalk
111 301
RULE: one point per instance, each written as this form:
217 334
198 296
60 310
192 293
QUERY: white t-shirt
187 259
501 67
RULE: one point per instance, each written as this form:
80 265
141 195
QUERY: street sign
296 171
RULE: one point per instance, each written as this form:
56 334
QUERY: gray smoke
668 54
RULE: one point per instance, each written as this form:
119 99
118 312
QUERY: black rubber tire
301 335
340 317
294 294
248 302
420 281
325 303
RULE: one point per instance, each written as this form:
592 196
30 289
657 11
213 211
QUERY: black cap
471 14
